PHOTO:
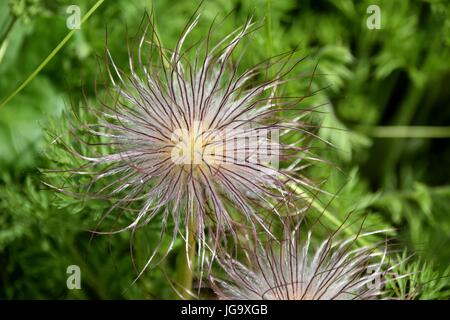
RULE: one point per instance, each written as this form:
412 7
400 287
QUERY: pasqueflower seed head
193 141
292 270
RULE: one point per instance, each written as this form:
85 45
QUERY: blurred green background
387 112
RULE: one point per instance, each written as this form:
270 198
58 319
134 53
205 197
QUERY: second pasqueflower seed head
292 270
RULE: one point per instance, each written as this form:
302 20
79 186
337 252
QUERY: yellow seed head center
193 146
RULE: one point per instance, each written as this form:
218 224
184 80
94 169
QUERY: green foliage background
397 76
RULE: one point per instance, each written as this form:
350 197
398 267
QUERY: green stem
51 55
425 132
269 37
8 29
185 262
269 28
395 194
